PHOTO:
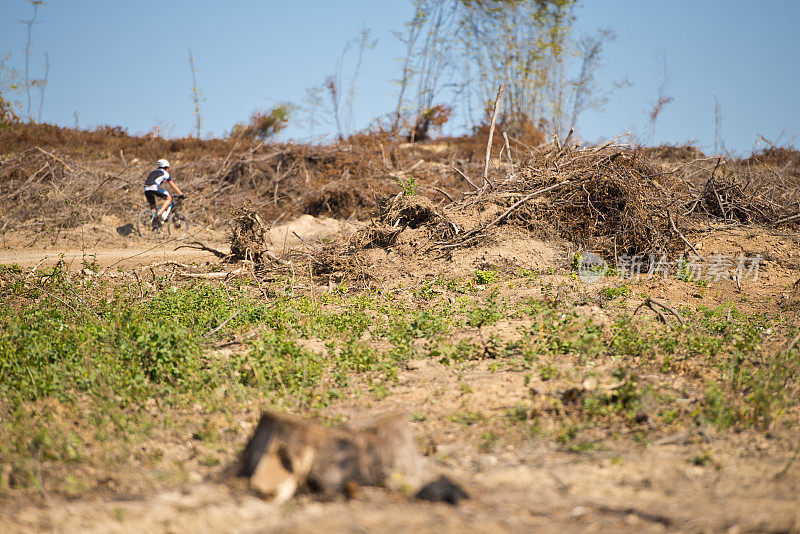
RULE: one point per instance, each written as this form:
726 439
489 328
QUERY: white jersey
155 179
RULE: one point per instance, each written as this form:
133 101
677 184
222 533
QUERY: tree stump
286 453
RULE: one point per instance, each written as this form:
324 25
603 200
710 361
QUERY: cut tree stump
286 453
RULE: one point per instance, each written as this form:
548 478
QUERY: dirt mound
309 229
416 212
408 211
617 200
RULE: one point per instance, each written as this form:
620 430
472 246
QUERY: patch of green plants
630 340
519 413
276 363
488 441
546 372
613 292
485 277
408 185
623 399
669 416
702 459
485 313
462 351
466 418
568 431
583 446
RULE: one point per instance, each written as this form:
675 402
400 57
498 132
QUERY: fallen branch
466 178
168 262
212 276
675 229
222 324
442 191
197 245
304 241
61 161
601 146
787 219
33 271
522 201
651 303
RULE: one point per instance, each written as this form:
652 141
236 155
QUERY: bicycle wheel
181 223
145 226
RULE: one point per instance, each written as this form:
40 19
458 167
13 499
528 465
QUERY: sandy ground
528 485
108 249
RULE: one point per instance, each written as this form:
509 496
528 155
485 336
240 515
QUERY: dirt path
113 250
106 257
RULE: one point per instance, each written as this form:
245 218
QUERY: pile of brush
601 198
614 199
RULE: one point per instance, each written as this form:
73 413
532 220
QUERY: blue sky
125 63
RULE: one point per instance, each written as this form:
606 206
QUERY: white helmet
162 163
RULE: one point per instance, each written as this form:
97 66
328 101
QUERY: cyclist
153 189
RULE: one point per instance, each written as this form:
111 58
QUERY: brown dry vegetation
58 177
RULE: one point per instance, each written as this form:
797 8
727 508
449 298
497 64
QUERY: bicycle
149 224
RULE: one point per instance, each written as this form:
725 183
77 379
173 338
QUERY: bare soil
529 483
683 477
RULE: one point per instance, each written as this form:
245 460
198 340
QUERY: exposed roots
249 238
414 212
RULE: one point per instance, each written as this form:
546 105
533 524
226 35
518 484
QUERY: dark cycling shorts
151 196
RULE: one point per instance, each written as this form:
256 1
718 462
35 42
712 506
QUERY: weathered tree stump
286 453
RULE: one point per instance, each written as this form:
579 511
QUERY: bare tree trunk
413 32
43 86
718 144
363 45
333 91
29 23
196 97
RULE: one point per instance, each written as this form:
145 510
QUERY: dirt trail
106 257
113 250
